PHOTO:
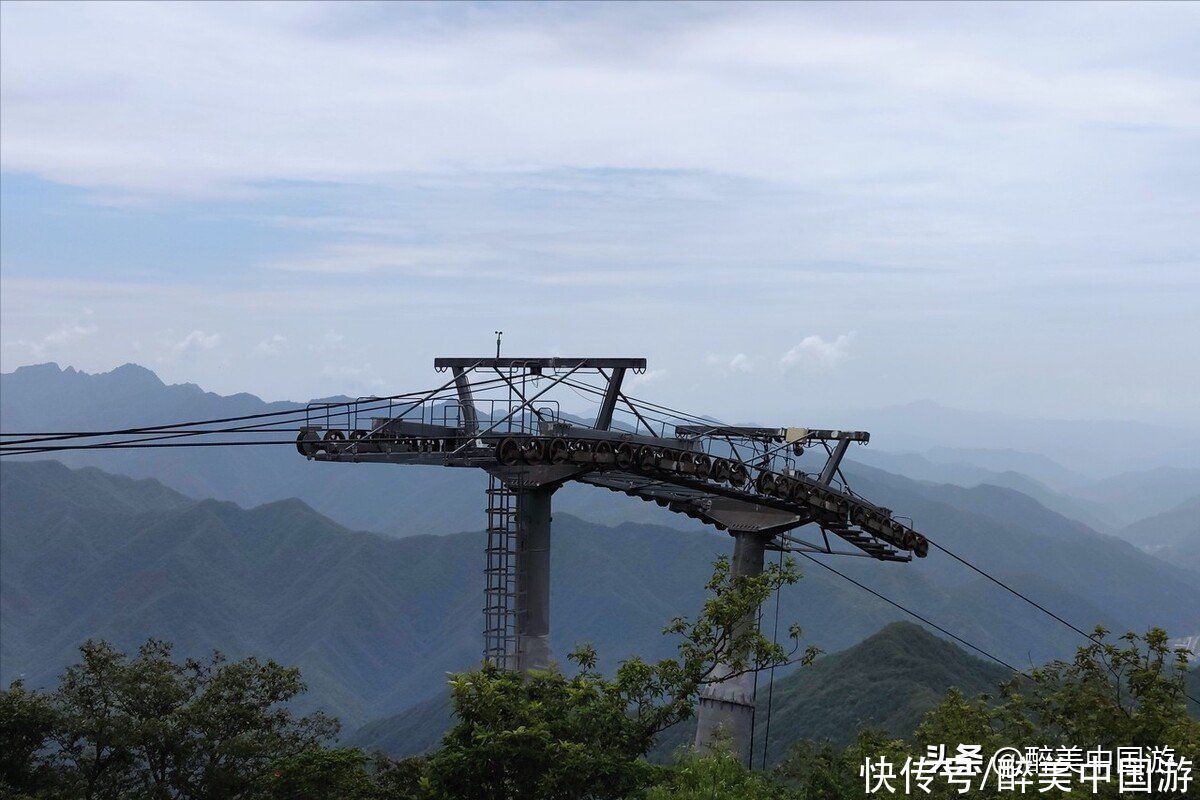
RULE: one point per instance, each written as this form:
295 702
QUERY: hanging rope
754 699
771 684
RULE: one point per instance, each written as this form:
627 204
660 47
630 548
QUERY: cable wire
771 685
1006 587
305 411
914 614
299 414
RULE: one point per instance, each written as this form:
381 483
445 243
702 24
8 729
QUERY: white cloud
195 342
740 362
634 380
432 260
130 97
38 348
271 346
815 352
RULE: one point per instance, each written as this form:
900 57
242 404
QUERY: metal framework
503 415
500 603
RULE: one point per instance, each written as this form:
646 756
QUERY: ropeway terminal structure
769 488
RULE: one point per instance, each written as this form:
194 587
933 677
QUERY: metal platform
772 488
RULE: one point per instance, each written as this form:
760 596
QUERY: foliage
149 727
27 720
1113 694
319 774
549 735
719 775
821 770
1126 693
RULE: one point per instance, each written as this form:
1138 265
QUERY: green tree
819 770
27 721
719 775
149 727
549 735
320 774
1128 692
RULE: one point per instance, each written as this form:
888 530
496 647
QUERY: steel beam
727 705
609 403
834 461
533 577
470 421
542 363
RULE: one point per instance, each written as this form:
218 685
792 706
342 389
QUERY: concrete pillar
533 578
726 708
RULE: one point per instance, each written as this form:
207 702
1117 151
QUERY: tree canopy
151 727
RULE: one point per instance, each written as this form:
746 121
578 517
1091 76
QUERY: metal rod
511 413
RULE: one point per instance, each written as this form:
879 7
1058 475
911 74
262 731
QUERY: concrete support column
726 708
533 578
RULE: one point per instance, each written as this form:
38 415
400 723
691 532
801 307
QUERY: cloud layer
961 185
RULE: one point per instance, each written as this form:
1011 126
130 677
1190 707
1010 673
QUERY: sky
787 209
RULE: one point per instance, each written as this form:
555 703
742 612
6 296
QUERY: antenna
498 335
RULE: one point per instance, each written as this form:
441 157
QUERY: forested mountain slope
889 680
376 622
400 501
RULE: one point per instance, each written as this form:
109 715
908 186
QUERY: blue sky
786 208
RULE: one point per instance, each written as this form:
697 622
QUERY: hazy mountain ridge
388 500
383 498
376 622
923 467
1171 527
1082 446
888 680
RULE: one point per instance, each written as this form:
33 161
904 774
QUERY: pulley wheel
625 455
308 443
534 451
737 475
508 452
647 458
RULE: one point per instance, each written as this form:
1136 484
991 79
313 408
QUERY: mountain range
889 680
357 574
1173 535
391 500
403 501
376 622
1078 451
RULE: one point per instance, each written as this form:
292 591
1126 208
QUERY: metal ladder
500 600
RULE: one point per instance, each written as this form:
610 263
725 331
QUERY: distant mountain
888 680
415 730
1176 526
925 467
376 622
1041 468
1185 553
1083 446
388 499
401 501
1132 496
